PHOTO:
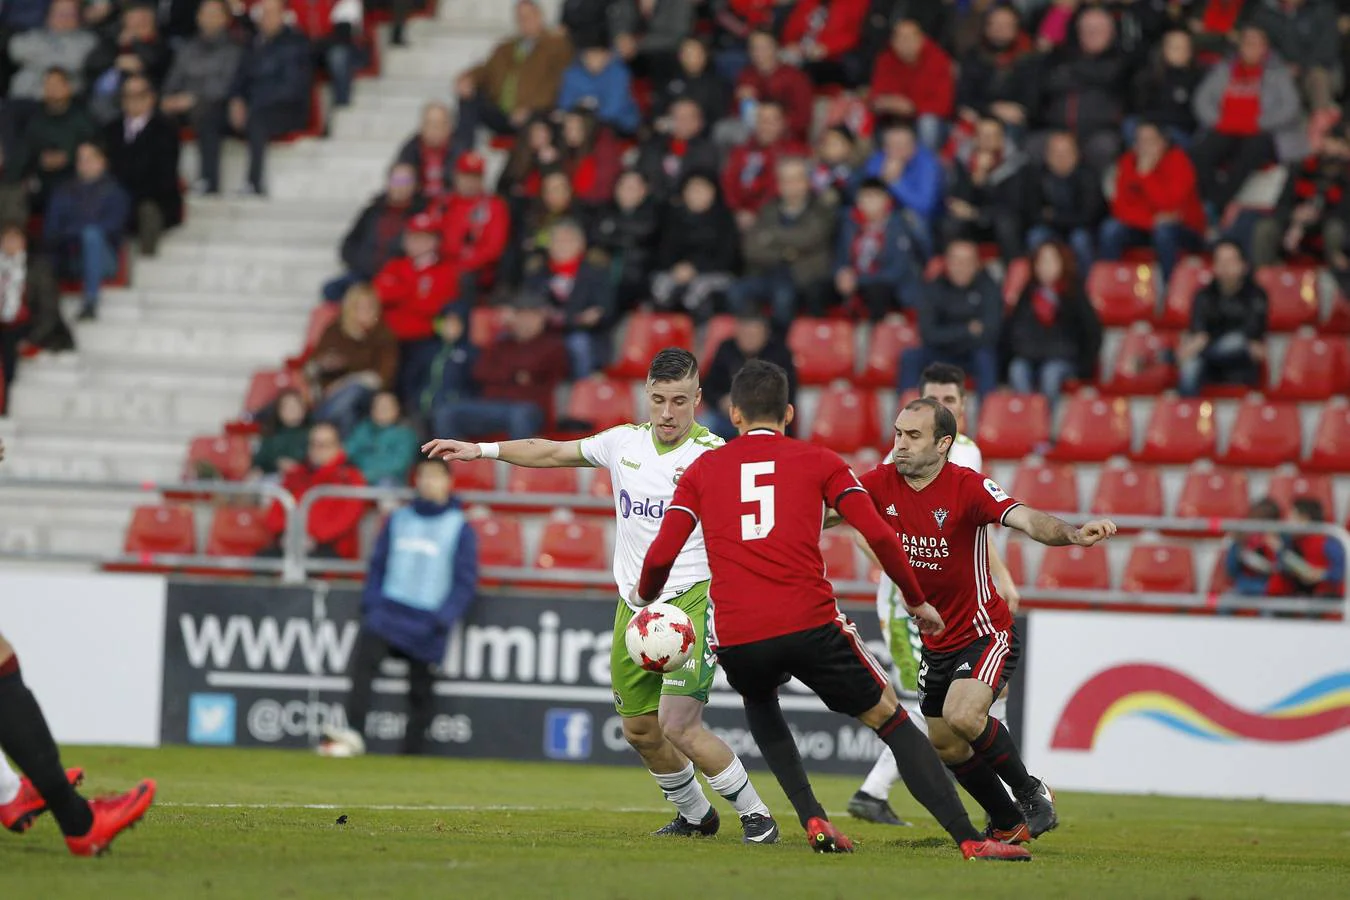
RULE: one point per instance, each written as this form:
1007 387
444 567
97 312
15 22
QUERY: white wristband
490 450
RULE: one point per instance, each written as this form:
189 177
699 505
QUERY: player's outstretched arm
531 453
676 527
857 509
1046 529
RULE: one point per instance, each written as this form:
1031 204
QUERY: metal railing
296 564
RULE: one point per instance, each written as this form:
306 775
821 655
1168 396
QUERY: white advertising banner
1197 707
92 650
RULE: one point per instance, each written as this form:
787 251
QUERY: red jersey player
773 614
941 513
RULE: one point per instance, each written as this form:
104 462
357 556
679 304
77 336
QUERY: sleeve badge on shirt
994 490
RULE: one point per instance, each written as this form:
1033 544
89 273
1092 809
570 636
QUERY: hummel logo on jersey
625 461
964 667
941 516
890 510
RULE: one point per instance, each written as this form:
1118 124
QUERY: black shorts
831 660
991 659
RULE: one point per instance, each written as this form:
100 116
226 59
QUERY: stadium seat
161 529
520 480
1180 430
822 349
1292 294
841 562
845 419
1012 425
1052 487
1159 568
1093 428
1074 568
1210 493
573 545
602 402
601 485
479 475
1219 582
882 360
485 323
1139 367
1122 292
1330 451
1289 484
1187 278
1128 489
266 385
500 542
227 458
647 334
718 329
320 317
864 460
1014 559
237 531
1264 435
1015 280
1315 367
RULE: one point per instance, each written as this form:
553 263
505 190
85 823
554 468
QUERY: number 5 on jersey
756 526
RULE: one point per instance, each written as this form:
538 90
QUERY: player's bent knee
965 719
643 733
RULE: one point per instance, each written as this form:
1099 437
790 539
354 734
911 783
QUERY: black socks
924 776
995 746
982 783
770 731
25 737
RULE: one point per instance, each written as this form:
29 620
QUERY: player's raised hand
929 619
1095 531
451 450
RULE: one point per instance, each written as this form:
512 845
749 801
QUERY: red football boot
19 814
825 838
112 816
993 850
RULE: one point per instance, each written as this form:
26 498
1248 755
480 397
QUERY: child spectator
198 86
1250 559
333 528
451 378
1309 565
143 150
376 237
355 357
601 81
1053 334
85 225
627 231
836 159
430 152
582 299
913 77
284 442
700 249
750 175
271 92
381 446
875 262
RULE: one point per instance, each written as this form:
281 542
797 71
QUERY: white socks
883 775
9 781
1000 711
734 784
682 789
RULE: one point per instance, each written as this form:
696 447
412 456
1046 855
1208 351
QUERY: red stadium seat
226 457
499 541
1219 582
864 460
1210 493
1128 489
1139 367
1331 442
1013 558
1180 430
822 349
846 419
602 402
1049 486
542 481
718 329
573 545
1093 428
1015 280
841 562
647 334
1160 568
1187 278
238 531
479 475
1315 367
1293 295
1289 484
1122 292
1074 568
601 485
882 361
485 323
1013 425
266 385
1264 435
320 317
161 529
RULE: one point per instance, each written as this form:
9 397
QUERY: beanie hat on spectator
470 164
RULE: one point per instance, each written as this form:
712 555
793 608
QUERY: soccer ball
660 638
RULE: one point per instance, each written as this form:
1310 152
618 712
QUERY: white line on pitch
398 807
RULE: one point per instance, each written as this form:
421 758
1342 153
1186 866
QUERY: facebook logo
211 719
567 734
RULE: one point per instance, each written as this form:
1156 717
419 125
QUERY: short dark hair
944 373
944 423
1309 508
672 364
57 70
432 461
760 391
1265 508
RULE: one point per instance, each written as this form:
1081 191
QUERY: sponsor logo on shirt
924 551
643 507
994 490
940 516
890 510
625 461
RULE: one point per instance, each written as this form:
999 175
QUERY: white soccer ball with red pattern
660 638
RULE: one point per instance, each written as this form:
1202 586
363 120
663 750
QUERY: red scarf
433 170
1045 304
563 277
1240 108
868 244
1221 16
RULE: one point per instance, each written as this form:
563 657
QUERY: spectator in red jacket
516 377
591 155
415 290
748 180
333 528
475 226
766 79
913 77
821 35
431 152
1156 201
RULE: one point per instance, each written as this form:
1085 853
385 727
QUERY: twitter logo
211 719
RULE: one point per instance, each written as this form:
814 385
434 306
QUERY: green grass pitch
263 824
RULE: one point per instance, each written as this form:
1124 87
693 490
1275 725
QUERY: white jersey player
662 713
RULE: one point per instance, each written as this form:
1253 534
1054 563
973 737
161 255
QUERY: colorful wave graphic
1177 701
